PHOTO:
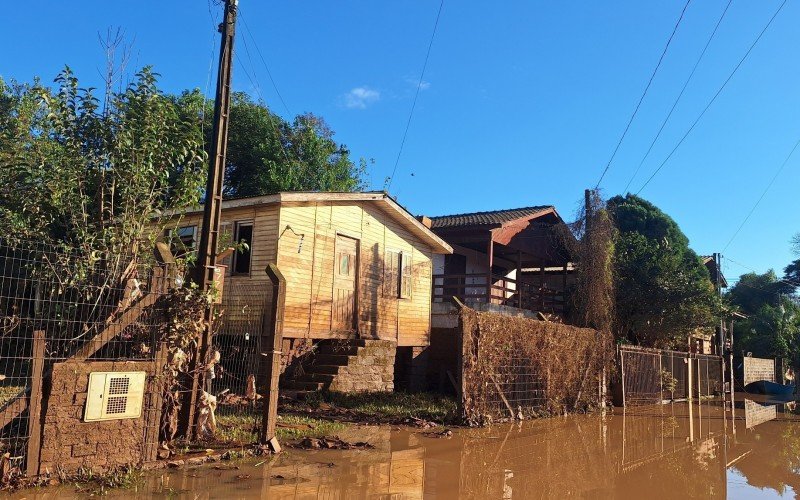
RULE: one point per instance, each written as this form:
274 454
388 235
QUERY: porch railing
497 289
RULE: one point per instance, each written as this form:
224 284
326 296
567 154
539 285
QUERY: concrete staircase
354 365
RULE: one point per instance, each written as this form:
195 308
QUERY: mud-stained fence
755 369
651 376
80 354
514 367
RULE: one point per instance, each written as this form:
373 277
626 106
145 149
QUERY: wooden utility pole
212 211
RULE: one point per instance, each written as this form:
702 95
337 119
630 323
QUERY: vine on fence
532 367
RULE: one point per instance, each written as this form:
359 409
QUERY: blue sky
522 102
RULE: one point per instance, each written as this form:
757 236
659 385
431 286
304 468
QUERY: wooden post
519 280
272 339
490 263
156 402
35 406
622 374
460 388
689 376
541 286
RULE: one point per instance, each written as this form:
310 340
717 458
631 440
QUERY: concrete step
339 350
315 377
324 369
333 359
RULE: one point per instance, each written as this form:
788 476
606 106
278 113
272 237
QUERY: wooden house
511 262
513 258
358 268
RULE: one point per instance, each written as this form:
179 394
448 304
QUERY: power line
650 82
266 66
416 95
680 95
257 88
788 282
719 91
771 182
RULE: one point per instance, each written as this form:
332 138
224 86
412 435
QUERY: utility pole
212 211
718 287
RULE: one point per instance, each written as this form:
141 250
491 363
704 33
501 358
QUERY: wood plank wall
309 272
308 267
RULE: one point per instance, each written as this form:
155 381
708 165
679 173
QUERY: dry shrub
539 367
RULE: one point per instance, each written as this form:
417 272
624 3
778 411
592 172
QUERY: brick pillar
418 374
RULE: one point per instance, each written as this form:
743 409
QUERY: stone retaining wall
371 370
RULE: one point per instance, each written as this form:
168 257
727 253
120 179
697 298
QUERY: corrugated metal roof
486 218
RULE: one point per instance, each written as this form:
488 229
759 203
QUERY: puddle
670 451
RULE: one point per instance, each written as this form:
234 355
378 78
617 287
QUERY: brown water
671 451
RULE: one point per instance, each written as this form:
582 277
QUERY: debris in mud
445 433
333 443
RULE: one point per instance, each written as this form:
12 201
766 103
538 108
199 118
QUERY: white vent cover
114 395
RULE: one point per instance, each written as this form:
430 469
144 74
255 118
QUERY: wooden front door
344 284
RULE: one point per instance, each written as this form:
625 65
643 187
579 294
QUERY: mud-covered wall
69 443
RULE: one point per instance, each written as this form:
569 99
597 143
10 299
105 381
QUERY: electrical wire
771 182
788 282
257 88
641 99
416 95
719 91
680 95
264 62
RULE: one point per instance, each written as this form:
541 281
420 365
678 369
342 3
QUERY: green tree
792 271
772 327
93 177
663 290
267 154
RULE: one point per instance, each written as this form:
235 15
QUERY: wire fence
238 378
59 304
650 376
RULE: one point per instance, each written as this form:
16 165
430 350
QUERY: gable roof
385 202
493 218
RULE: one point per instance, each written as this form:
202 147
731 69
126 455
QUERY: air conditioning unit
114 395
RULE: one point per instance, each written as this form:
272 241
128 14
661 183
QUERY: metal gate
651 376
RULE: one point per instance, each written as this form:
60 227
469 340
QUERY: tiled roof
482 218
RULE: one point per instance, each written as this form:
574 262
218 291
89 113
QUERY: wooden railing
496 289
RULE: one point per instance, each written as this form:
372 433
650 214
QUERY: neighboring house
511 258
357 266
512 262
701 342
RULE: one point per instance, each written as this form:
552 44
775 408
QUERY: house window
182 241
397 274
345 264
405 275
241 258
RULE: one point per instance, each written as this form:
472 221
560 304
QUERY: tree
772 327
94 178
663 291
792 271
267 154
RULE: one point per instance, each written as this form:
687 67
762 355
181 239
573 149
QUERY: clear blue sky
522 102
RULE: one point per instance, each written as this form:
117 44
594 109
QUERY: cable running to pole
641 99
680 95
771 182
416 95
266 66
719 91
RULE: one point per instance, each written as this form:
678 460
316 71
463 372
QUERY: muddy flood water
669 451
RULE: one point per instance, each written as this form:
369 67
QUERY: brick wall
69 443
